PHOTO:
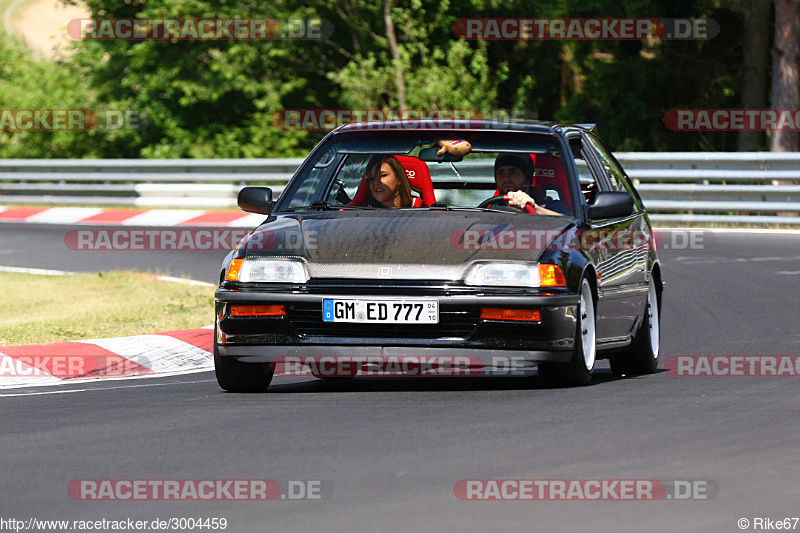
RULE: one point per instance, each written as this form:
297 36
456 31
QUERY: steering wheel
504 198
494 200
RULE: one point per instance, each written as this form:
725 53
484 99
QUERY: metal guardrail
756 188
743 187
191 183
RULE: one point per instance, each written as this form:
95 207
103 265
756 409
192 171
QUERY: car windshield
336 177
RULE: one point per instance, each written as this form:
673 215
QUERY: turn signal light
498 313
233 270
551 276
258 310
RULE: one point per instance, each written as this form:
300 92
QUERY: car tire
235 376
641 357
578 371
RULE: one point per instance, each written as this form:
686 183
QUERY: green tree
31 84
217 98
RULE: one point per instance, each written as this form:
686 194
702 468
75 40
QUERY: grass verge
42 309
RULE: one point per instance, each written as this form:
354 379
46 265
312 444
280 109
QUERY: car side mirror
255 200
611 204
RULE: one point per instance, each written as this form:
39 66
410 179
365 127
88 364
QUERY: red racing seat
419 177
549 173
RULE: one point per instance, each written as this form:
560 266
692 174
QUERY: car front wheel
578 371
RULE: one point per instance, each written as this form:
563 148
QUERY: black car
455 280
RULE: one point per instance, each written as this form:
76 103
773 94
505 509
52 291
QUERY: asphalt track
392 449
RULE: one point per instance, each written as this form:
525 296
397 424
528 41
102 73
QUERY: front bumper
461 331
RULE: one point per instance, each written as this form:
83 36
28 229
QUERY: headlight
267 270
508 274
515 275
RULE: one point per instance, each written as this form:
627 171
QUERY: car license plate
383 311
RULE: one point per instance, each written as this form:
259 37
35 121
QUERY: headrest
419 177
548 161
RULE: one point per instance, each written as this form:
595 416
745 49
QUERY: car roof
435 124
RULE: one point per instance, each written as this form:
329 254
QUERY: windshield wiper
322 206
445 207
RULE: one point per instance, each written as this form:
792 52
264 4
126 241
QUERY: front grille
306 319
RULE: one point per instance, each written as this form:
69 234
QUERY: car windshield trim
336 175
323 206
383 146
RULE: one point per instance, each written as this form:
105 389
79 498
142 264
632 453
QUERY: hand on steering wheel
504 198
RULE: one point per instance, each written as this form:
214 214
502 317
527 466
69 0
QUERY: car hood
402 244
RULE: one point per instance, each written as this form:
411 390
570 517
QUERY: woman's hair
374 172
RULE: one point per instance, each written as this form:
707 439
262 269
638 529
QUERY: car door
622 268
593 241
